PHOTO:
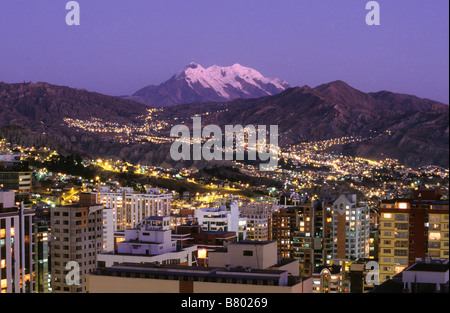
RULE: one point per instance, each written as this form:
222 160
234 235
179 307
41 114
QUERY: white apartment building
149 242
351 230
128 209
258 215
225 218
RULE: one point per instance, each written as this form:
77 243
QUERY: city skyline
118 49
241 148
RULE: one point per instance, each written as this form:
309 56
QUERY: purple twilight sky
122 46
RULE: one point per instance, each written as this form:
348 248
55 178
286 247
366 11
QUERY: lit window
387 215
434 236
201 253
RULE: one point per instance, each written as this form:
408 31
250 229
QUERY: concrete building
351 229
284 223
14 174
252 255
226 218
149 242
328 279
241 267
258 216
182 217
311 241
20 182
16 246
42 236
147 278
412 228
206 241
77 238
128 209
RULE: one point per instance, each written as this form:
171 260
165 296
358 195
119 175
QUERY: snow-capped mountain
213 84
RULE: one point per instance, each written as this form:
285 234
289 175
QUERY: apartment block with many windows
311 241
351 229
412 228
16 246
77 238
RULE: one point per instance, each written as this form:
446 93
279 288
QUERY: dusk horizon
118 48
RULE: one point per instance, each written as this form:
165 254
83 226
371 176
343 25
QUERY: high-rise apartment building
311 240
351 229
16 246
412 228
284 223
76 240
41 256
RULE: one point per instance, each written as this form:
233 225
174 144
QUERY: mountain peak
192 65
337 84
213 84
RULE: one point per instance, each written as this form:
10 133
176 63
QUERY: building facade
42 236
258 216
284 223
77 238
16 246
351 229
328 279
226 218
412 228
242 267
149 242
128 209
312 239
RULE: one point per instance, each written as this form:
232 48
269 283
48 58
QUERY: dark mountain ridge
415 131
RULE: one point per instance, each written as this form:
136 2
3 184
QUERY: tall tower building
410 229
76 240
284 223
16 246
312 241
41 256
351 229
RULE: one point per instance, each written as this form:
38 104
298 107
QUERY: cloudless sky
124 45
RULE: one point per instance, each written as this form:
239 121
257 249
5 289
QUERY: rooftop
251 242
429 267
179 270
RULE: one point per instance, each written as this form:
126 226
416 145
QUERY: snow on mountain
217 77
213 84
